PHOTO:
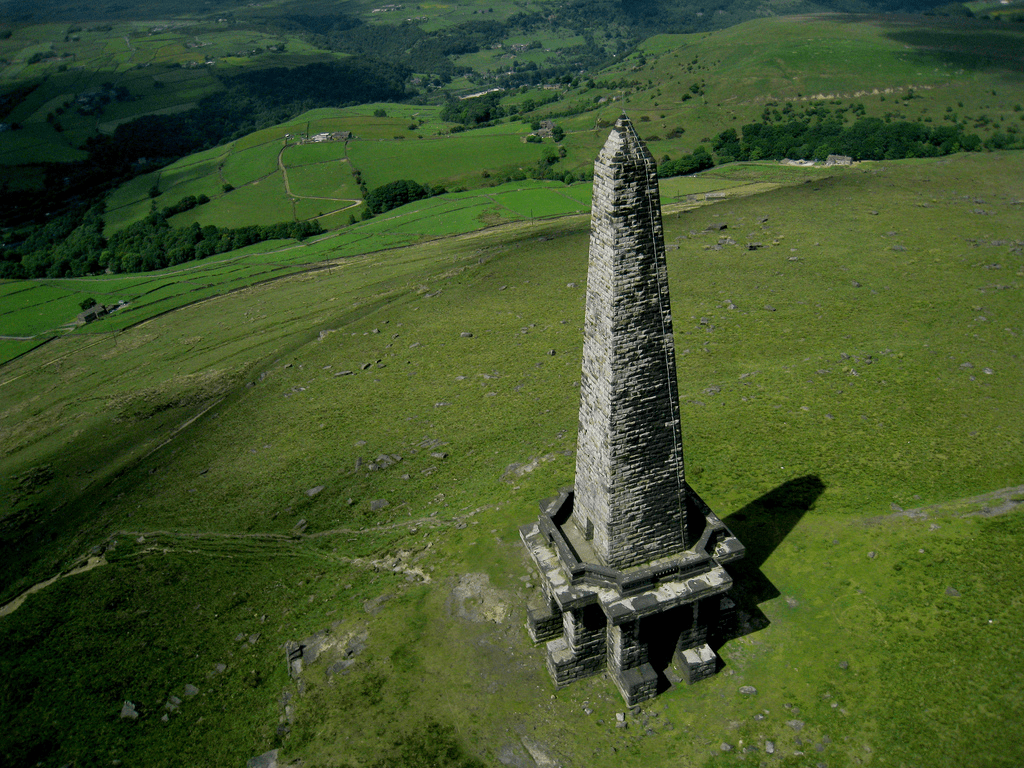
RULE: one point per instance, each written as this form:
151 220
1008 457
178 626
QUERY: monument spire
633 540
629 466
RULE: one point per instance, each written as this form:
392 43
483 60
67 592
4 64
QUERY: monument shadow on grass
762 525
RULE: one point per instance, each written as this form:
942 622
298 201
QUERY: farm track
244 546
295 197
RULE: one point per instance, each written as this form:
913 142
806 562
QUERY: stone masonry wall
629 468
625 650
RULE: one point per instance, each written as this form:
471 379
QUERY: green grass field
216 450
867 352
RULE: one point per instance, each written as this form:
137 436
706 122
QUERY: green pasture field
129 203
41 308
457 159
327 211
330 180
863 362
259 202
251 165
175 186
37 143
299 155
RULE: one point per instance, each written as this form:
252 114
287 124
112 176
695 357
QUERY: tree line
73 245
869 138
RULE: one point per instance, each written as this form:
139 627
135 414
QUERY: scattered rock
539 753
466 335
872 555
378 504
844 665
266 760
474 599
769 747
314 491
791 601
373 606
952 592
725 747
128 711
796 725
338 667
748 690
190 690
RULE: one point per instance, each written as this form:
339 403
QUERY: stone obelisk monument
632 540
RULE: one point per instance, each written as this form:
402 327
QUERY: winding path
288 190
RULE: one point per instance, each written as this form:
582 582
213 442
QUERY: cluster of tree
398 193
186 203
699 160
473 112
74 245
866 139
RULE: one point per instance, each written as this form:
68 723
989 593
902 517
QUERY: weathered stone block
636 684
697 663
543 623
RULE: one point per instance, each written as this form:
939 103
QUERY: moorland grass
435 217
811 405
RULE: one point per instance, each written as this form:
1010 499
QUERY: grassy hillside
688 89
330 453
